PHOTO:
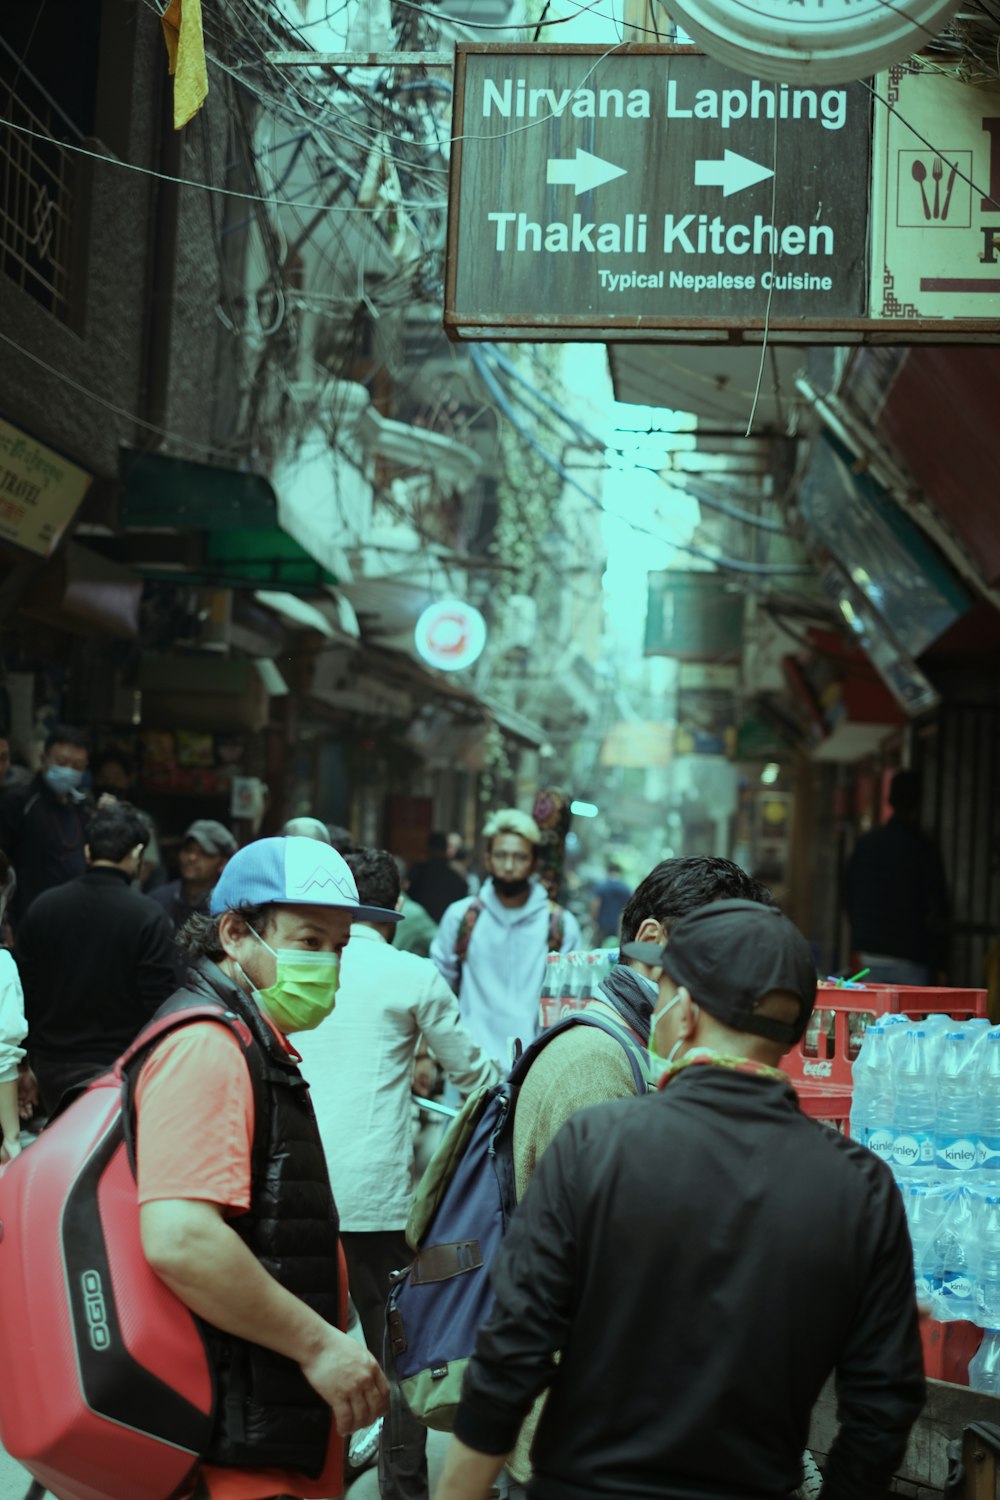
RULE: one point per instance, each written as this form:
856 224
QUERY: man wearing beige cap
492 948
207 846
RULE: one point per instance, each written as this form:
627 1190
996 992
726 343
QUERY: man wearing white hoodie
491 948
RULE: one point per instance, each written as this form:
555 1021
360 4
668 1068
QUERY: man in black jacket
701 1259
43 822
897 897
96 959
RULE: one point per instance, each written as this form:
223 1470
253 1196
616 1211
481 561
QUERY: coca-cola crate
820 1064
829 1102
948 1348
552 1008
833 1038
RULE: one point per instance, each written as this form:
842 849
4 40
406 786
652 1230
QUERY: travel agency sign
654 193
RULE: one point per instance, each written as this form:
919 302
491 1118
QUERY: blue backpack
460 1213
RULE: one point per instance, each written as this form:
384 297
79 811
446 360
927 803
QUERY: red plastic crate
829 1102
948 1347
829 1060
822 1073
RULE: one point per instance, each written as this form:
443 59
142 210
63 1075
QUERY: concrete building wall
125 220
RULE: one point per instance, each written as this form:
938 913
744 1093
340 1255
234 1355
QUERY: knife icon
947 191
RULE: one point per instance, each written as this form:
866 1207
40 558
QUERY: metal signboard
40 491
649 193
935 236
647 188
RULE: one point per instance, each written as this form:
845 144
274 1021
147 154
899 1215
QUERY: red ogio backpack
108 1392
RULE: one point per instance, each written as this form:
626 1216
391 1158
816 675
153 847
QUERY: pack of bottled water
926 1100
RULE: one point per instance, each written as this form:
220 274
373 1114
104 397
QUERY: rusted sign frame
632 328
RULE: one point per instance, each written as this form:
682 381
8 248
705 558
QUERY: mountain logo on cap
319 880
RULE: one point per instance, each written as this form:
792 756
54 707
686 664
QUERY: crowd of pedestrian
646 1338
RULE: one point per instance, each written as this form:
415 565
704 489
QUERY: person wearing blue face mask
236 1210
43 823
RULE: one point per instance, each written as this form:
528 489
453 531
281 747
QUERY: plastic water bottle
956 1122
872 1095
952 1277
914 1108
988 1257
921 1218
984 1367
988 1082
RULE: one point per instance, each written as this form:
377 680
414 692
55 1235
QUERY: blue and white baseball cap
292 871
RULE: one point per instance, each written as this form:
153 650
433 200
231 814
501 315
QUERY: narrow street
500 623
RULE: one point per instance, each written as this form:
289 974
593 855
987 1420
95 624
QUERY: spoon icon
919 172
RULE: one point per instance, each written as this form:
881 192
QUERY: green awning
264 555
236 513
158 490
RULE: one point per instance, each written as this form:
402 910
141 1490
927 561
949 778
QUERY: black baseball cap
729 955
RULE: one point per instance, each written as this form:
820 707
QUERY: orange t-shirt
196 1112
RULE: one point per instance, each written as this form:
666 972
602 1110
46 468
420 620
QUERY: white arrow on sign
732 174
582 173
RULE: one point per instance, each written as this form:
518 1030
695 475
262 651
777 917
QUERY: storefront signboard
935 198
629 191
40 491
651 194
450 635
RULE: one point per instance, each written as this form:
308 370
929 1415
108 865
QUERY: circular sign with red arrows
450 635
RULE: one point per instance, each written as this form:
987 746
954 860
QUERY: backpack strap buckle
442 1262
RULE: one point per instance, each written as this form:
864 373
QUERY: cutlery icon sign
919 174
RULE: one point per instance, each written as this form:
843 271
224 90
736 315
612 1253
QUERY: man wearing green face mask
237 1215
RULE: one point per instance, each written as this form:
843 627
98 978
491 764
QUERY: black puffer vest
266 1412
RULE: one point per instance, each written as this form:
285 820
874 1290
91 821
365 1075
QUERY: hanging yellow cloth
186 53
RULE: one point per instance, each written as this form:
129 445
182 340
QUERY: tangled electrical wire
523 402
969 46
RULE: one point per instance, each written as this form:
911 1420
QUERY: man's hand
27 1093
346 1376
425 1075
467 1475
205 1263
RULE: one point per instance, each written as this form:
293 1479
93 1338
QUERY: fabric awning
887 558
84 593
517 725
937 410
233 516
